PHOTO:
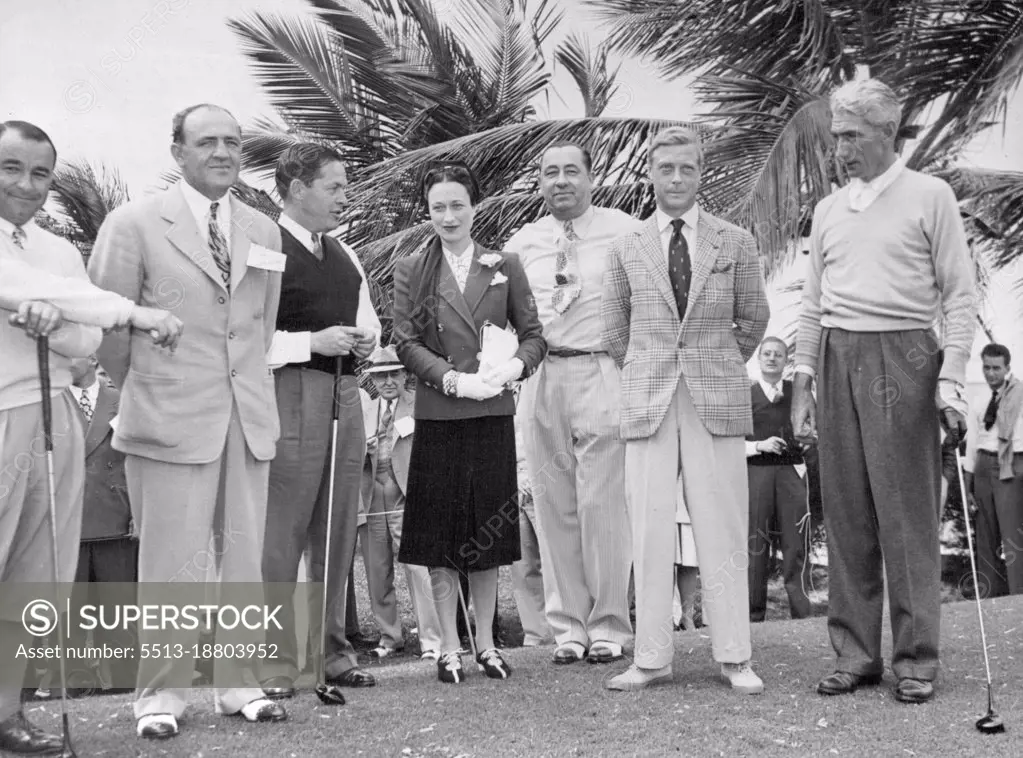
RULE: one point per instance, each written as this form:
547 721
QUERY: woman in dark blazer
461 511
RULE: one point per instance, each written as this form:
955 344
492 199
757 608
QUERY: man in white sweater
38 266
888 259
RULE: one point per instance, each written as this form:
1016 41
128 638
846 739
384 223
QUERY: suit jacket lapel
184 234
241 220
101 416
479 279
650 245
707 242
448 289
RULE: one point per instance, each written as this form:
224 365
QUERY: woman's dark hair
452 171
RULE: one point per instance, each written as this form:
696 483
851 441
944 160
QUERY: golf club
43 352
465 611
329 694
991 722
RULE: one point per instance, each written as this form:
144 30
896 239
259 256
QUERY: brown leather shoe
353 677
19 735
913 690
845 683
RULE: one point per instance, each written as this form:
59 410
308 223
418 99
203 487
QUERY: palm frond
993 201
85 196
588 69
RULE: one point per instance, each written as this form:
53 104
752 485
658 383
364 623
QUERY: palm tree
85 195
763 70
398 85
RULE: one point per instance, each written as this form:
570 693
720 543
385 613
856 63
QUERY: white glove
473 387
507 372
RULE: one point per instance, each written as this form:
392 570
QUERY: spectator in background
778 510
994 477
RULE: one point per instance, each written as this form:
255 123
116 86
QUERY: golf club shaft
465 611
335 411
43 355
973 569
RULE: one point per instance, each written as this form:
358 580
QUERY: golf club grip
335 405
43 354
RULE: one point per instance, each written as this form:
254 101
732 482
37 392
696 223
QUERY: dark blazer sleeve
523 315
408 328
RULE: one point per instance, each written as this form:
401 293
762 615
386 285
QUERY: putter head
330 694
990 724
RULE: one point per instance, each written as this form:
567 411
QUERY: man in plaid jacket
684 308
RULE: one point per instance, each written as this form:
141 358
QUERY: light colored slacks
194 518
297 513
576 461
527 580
383 529
717 496
26 551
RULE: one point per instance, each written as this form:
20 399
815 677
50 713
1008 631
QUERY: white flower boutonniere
499 278
490 260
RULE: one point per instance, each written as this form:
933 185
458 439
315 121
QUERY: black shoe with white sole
493 663
449 668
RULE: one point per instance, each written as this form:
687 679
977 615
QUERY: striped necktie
218 245
18 236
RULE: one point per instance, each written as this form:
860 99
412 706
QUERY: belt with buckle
565 352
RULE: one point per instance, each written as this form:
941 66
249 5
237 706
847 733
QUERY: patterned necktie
86 405
680 268
18 237
218 245
991 414
566 283
318 246
385 443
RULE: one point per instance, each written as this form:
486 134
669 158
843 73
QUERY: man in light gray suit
198 426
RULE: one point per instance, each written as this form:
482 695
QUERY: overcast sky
105 77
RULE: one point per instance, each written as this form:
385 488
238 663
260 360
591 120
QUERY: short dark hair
452 171
779 340
587 158
994 350
178 122
303 161
30 132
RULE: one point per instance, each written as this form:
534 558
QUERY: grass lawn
547 710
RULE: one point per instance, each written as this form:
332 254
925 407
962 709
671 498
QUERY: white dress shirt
689 231
295 347
459 263
92 392
862 194
979 438
199 204
537 245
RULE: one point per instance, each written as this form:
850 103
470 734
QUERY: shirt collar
298 231
580 224
882 181
90 390
766 385
690 217
199 204
451 255
8 228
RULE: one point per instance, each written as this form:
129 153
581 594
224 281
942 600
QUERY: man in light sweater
888 258
35 264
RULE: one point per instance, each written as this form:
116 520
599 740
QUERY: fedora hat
383 359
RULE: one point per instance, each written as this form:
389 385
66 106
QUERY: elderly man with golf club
888 258
198 427
41 503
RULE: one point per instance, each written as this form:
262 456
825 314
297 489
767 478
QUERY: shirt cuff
802 368
751 448
289 347
951 393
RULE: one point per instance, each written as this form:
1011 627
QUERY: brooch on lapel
499 278
490 260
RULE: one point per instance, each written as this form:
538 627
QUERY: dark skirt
462 510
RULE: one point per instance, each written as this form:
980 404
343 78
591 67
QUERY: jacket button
234 373
230 335
221 300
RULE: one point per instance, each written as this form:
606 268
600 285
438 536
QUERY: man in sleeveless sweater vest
778 510
888 259
325 316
